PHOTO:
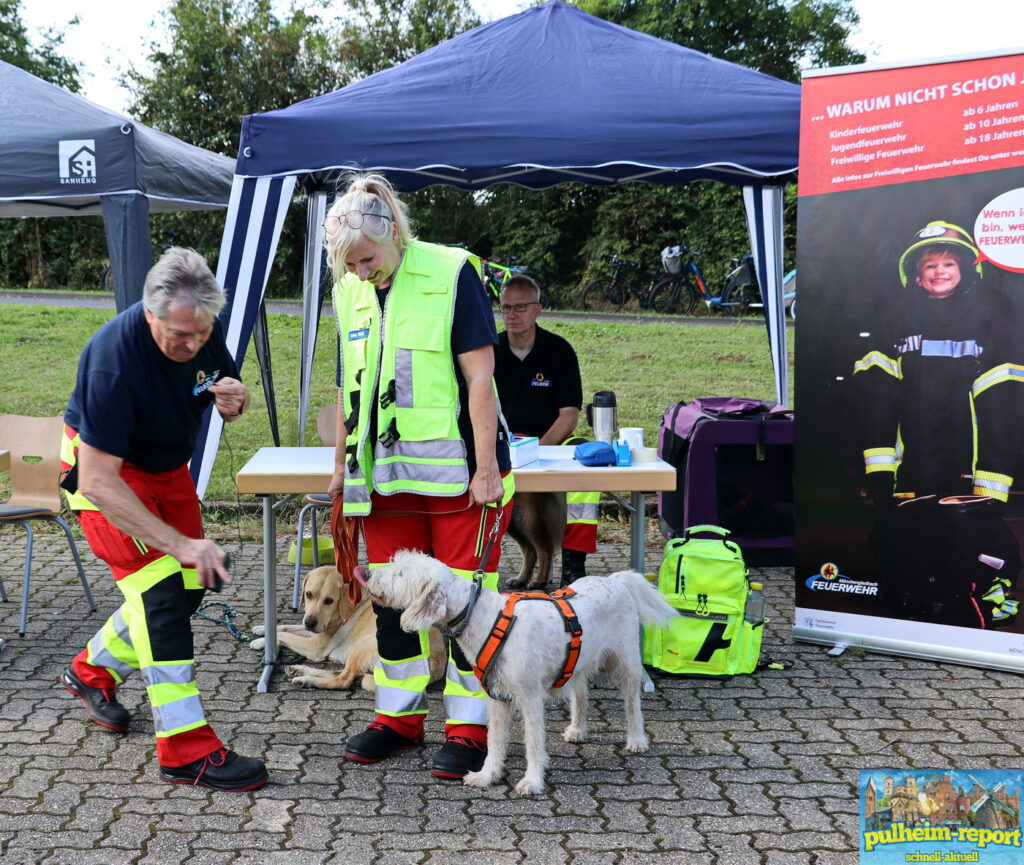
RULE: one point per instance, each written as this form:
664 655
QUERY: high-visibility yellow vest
410 369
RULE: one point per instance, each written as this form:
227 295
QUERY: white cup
634 435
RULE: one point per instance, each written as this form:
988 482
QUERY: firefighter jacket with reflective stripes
941 391
399 365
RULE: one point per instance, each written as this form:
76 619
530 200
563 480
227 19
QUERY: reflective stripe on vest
442 463
992 484
411 370
997 375
939 347
880 361
880 460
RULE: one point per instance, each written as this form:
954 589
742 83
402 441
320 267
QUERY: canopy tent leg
314 287
262 343
126 222
764 223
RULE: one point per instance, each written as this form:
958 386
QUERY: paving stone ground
757 770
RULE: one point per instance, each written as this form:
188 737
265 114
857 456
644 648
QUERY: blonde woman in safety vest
422 452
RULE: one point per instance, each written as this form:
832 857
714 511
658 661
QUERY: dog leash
225 619
457 625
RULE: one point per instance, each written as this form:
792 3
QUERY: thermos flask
601 415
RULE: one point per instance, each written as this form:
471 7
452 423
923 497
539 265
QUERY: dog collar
457 625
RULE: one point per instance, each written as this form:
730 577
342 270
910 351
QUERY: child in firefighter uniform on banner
940 388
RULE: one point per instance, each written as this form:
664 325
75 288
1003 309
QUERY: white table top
301 470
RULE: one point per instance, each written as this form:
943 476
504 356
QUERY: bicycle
611 293
679 292
495 275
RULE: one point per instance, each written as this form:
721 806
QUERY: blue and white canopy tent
61 155
580 99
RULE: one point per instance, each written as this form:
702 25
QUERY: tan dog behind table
333 629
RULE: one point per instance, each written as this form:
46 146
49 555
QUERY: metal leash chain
224 620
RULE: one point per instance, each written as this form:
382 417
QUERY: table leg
637 529
637 557
269 592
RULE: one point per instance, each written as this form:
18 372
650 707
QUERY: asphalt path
294 307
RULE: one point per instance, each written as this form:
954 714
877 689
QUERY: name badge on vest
362 333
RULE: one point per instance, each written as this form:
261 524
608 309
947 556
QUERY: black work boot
574 566
377 742
100 703
221 770
458 756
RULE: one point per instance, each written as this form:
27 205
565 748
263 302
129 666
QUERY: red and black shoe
377 742
100 703
458 757
221 770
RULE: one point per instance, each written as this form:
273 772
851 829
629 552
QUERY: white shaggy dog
610 611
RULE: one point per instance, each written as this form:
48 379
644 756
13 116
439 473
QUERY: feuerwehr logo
204 380
77 161
829 579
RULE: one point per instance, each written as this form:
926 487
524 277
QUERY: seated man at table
539 386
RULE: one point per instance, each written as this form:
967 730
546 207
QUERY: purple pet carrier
734 465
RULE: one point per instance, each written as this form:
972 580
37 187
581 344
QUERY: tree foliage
44 60
39 252
379 34
220 60
228 58
772 36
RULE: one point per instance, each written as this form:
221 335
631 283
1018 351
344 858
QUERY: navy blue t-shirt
132 401
472 327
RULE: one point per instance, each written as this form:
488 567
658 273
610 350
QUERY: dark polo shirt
533 390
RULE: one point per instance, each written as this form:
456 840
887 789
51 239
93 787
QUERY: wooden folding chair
34 445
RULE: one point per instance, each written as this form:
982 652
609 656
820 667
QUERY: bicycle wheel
603 294
740 299
674 295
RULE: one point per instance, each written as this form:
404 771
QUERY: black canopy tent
61 155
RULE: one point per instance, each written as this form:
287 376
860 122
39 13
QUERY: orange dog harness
506 619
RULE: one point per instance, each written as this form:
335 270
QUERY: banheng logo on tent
77 161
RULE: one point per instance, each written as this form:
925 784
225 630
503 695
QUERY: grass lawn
649 366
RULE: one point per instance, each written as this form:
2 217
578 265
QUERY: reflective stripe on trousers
150 632
401 684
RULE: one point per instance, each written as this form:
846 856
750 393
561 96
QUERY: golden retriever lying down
333 630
